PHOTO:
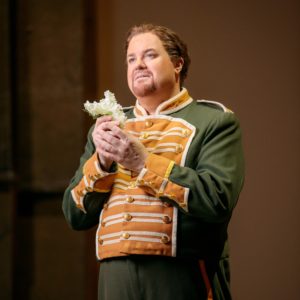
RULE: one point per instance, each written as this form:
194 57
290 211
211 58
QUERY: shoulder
214 105
208 110
218 115
209 114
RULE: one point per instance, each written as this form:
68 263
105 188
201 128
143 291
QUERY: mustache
139 73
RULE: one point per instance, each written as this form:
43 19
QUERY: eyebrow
146 51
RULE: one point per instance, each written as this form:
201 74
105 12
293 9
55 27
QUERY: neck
151 102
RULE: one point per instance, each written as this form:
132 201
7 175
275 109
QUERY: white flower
106 106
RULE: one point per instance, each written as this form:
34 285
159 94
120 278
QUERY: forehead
144 41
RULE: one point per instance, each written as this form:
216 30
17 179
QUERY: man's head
174 46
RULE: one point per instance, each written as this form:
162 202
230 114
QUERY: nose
140 64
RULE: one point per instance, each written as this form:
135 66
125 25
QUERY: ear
178 64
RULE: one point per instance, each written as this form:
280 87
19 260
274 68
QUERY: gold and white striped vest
135 220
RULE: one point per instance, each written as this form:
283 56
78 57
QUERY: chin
144 90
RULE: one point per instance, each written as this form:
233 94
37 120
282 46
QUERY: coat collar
169 106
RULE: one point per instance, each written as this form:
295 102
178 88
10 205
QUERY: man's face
149 67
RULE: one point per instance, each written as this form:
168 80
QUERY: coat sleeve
207 188
88 190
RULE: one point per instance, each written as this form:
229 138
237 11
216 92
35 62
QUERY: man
162 189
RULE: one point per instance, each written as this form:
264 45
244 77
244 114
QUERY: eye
150 55
130 60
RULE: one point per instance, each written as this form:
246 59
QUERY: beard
144 88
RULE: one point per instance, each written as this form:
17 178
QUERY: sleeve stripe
169 169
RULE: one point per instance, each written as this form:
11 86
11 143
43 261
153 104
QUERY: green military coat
181 202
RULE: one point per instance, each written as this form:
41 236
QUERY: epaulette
127 108
214 104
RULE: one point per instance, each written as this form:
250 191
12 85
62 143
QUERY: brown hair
172 43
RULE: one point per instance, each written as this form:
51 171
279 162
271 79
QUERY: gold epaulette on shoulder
215 104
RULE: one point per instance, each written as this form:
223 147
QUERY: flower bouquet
106 106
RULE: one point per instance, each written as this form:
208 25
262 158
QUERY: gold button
132 185
89 189
80 193
103 224
127 217
185 132
129 199
126 235
165 239
100 241
105 205
179 149
167 219
148 123
144 135
141 182
94 177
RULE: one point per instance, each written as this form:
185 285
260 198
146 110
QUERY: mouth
141 76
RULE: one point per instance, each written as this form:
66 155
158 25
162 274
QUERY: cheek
128 70
162 74
161 70
129 77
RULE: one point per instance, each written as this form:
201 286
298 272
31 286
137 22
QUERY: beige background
56 54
